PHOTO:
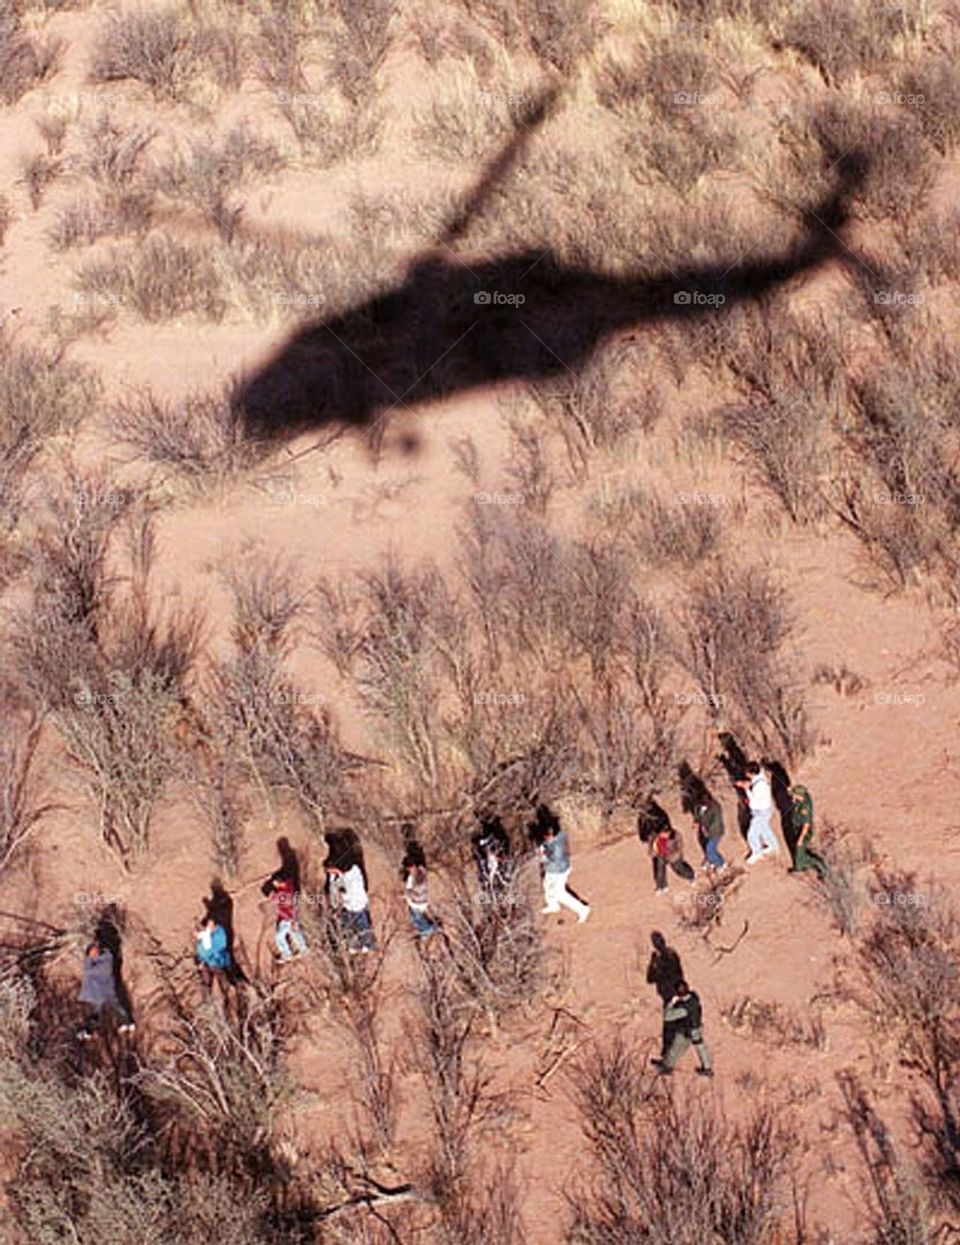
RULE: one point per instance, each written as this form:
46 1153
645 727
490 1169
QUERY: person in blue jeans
416 889
708 817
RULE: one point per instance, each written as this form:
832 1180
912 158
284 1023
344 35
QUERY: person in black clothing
734 760
683 1027
664 970
651 820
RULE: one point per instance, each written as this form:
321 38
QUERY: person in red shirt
288 925
666 848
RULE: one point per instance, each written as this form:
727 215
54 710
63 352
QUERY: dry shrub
159 279
41 396
361 39
197 438
21 778
329 130
559 33
670 1164
466 121
38 173
665 534
739 628
153 46
934 88
109 671
6 217
25 62
282 742
774 1023
845 39
208 172
888 150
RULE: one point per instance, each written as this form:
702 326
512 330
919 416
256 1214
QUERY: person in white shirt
347 884
760 837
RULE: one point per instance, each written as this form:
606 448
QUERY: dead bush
197 438
25 62
330 130
774 1023
152 46
159 279
739 627
933 86
843 40
41 396
361 40
109 671
466 122
664 534
38 173
559 33
669 1164
21 805
282 740
207 173
6 217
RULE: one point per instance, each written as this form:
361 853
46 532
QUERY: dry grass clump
160 279
671 1165
25 61
197 438
558 33
844 40
931 89
38 172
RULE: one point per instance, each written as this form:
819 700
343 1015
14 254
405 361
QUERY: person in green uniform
683 1027
801 824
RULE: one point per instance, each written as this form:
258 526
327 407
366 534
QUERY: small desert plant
208 173
933 90
21 808
153 46
160 279
772 1022
844 40
738 628
24 62
672 1166
198 438
38 173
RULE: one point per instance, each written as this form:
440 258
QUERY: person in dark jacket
708 818
683 1027
664 971
493 857
666 848
98 993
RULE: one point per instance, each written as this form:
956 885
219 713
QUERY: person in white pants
760 837
555 854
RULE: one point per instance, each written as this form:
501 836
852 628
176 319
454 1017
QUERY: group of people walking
348 903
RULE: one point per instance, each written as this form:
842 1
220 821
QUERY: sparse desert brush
467 120
329 129
931 90
673 532
159 279
558 33
209 171
6 217
108 669
888 148
931 246
25 61
38 172
152 46
197 438
360 41
53 129
847 38
21 805
775 1023
41 396
671 1162
739 633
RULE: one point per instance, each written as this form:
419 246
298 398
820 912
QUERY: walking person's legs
365 934
703 1054
754 841
768 839
297 938
570 901
677 1048
714 857
283 939
659 873
423 925
552 885
91 1021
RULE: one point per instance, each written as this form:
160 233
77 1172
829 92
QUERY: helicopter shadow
450 328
